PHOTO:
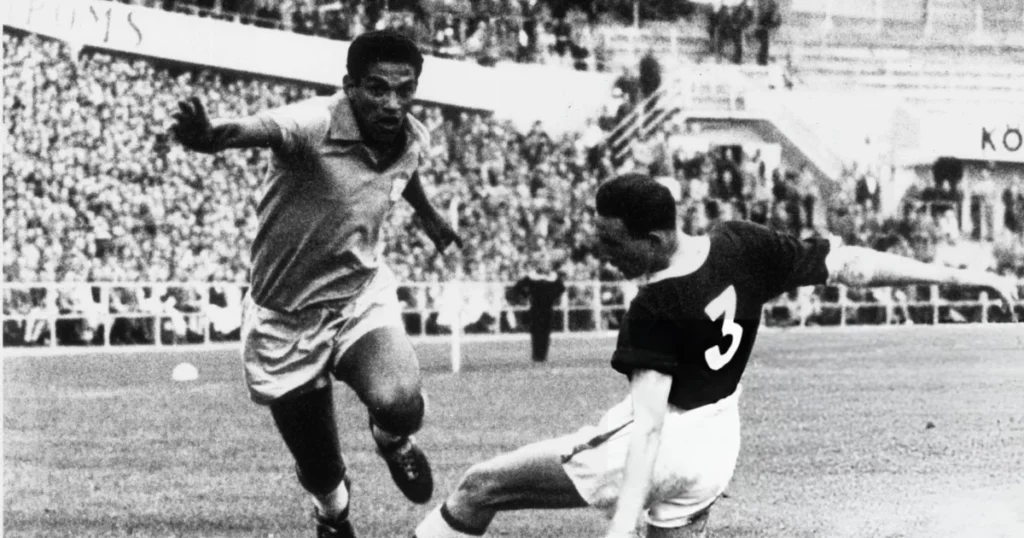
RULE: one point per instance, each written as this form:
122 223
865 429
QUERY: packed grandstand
94 190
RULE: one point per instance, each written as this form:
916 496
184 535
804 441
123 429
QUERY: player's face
632 256
381 99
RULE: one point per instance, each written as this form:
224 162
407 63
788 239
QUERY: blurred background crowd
561 32
95 191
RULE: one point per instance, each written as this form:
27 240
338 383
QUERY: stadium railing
103 315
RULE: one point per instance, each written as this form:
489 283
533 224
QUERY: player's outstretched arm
649 390
194 130
437 228
863 267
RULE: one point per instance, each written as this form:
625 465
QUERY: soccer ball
185 372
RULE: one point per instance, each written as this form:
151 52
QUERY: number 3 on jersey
724 305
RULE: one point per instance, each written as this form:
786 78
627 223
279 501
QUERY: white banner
970 137
185 38
561 97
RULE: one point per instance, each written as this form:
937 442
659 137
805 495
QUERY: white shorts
695 462
296 352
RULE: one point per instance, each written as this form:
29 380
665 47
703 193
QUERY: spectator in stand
77 299
481 45
769 19
718 19
268 15
720 184
868 191
615 110
922 234
446 41
983 198
31 327
1013 207
760 196
807 194
301 20
562 32
649 79
629 85
591 143
742 17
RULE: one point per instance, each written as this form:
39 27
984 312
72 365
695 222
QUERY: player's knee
478 488
397 409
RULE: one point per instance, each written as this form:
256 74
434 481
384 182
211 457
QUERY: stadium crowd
562 32
95 191
487 31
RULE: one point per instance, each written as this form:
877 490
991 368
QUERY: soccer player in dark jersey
322 305
668 450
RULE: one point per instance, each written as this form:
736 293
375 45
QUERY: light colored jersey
324 202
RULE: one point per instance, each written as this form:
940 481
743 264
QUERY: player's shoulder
745 235
320 107
733 236
740 229
322 102
654 300
645 303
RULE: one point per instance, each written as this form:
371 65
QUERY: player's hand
192 127
441 233
1008 291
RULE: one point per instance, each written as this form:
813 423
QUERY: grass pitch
836 440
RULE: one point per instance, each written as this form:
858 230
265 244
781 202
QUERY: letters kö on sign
1010 139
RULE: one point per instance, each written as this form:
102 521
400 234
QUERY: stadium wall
562 98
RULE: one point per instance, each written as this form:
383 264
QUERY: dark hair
382 46
643 204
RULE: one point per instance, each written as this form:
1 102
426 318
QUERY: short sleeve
295 123
787 261
647 341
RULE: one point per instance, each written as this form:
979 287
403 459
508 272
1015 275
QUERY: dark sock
459 526
309 428
386 440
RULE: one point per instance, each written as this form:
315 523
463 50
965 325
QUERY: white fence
192 313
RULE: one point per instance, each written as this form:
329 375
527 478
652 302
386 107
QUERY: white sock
434 526
334 503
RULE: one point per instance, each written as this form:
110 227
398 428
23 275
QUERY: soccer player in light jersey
322 304
668 450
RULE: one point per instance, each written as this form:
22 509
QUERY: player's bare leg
307 422
382 369
529 478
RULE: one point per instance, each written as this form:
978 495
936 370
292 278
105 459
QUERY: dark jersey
700 328
542 291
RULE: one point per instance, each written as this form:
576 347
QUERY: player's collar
343 121
344 127
684 262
